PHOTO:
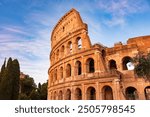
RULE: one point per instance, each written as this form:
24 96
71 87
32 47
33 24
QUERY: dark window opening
68 94
108 94
61 73
79 43
112 64
90 65
147 93
60 97
78 94
68 70
103 54
78 68
63 28
127 63
91 93
131 93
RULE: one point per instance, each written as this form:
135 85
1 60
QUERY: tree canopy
12 87
9 80
142 65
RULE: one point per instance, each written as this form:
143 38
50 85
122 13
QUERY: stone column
83 65
97 91
141 93
72 94
116 89
100 65
97 61
63 95
74 45
83 92
64 72
72 69
100 92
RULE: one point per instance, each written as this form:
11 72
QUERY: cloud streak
120 9
33 54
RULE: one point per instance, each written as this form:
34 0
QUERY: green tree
9 81
16 79
142 65
43 91
34 95
23 96
27 85
6 82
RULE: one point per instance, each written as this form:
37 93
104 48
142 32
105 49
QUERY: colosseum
82 71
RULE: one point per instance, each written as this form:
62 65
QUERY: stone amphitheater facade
82 71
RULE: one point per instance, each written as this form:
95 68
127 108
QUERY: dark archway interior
108 94
112 64
131 93
147 93
78 94
91 93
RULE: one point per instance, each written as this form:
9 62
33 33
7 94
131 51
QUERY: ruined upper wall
141 43
69 23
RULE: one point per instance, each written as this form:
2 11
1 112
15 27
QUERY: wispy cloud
33 54
119 9
14 29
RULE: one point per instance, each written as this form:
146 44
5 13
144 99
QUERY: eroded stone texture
80 70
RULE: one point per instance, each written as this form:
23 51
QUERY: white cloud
120 9
14 29
33 54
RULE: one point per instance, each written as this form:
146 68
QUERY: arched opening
61 73
54 57
90 65
78 94
63 28
69 47
55 75
107 93
68 70
147 92
112 64
131 93
91 93
103 54
78 68
60 95
79 43
127 63
62 51
68 95
57 55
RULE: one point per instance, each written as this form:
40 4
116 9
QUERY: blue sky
26 26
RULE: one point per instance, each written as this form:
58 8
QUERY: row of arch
78 70
127 63
107 94
66 49
90 94
132 93
90 68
